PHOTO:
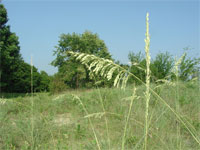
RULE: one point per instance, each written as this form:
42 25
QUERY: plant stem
177 107
32 105
127 119
91 124
147 93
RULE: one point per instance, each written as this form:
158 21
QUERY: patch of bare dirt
63 119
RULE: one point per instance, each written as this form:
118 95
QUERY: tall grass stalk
104 111
128 116
106 120
32 105
147 93
91 124
177 100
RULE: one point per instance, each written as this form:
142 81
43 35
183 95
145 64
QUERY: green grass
60 122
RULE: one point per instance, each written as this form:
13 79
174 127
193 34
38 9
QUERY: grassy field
66 121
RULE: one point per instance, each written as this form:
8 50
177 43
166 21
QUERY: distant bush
162 66
57 84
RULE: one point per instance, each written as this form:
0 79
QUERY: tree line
15 72
72 74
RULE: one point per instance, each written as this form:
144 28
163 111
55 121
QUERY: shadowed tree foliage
15 74
22 79
45 81
10 54
72 73
57 84
138 64
162 66
189 68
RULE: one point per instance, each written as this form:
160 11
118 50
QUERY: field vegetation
95 102
60 121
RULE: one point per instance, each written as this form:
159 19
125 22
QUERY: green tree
138 63
22 79
15 74
188 68
162 66
44 82
72 73
9 53
57 84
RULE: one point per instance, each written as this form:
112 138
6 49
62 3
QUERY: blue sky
174 25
